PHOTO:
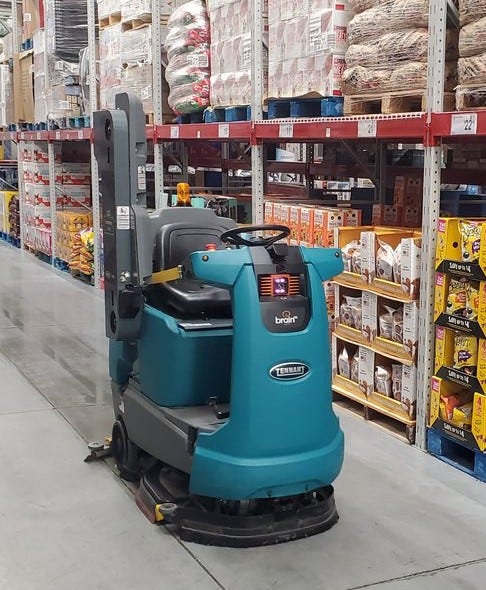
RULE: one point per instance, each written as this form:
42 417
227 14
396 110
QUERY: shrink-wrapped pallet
110 65
108 7
188 54
142 9
471 66
388 48
471 11
56 71
307 42
231 52
136 45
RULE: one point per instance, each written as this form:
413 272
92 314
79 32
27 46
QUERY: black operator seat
184 231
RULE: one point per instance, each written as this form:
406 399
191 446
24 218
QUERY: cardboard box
24 87
75 194
307 226
325 221
369 327
30 17
457 322
408 191
411 257
352 217
404 349
388 215
366 370
411 216
294 217
337 346
449 256
444 362
349 322
268 212
474 437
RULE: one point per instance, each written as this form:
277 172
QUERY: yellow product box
478 427
294 217
460 252
464 407
73 221
452 350
462 322
325 222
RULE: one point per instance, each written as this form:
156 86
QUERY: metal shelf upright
93 106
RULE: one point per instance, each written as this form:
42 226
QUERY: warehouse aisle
407 521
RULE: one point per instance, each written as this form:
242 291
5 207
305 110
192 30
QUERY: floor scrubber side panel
166 352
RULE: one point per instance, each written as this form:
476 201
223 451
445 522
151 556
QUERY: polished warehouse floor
408 521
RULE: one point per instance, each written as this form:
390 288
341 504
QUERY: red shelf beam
362 128
240 130
460 125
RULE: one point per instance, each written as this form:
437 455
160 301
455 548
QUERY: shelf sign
464 124
367 128
286 130
223 130
174 132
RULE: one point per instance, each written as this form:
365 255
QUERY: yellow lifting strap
164 276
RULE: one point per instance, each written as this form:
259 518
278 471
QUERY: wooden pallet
455 453
394 421
141 21
392 103
110 20
471 97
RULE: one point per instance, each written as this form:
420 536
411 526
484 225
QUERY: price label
328 132
223 130
286 130
174 132
39 135
58 136
367 128
80 135
464 124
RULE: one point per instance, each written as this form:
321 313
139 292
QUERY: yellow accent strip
159 517
164 276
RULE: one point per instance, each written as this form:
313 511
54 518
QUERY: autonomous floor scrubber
219 360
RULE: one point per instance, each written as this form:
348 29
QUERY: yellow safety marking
159 517
164 276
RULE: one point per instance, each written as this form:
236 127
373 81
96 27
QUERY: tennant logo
289 371
287 319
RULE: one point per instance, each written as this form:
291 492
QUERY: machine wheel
125 453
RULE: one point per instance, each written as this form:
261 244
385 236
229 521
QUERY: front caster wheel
125 453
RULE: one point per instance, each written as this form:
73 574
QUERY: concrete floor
408 521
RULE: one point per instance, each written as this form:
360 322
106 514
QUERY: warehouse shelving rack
431 129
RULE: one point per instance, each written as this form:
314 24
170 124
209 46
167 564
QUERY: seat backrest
184 231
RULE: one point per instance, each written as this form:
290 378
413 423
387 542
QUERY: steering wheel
234 237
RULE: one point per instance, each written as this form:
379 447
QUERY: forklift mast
121 151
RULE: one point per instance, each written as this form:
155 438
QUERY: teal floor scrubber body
221 378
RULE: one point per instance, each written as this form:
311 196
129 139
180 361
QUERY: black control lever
220 414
